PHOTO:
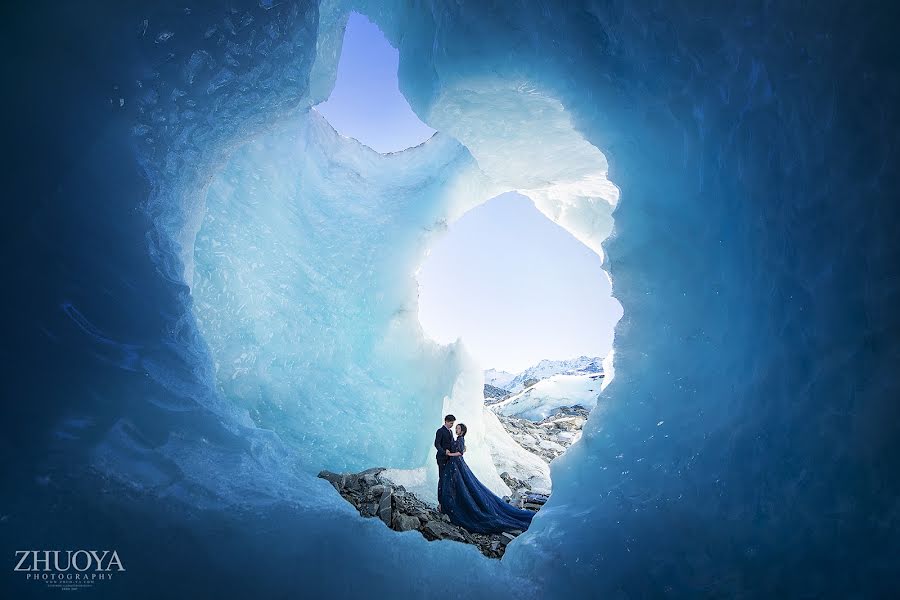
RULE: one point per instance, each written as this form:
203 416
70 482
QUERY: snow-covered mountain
498 379
540 400
543 370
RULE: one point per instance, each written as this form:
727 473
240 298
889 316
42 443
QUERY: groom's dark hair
449 419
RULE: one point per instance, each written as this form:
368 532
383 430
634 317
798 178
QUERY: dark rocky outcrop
530 382
493 394
374 495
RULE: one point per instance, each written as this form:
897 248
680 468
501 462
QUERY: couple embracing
464 499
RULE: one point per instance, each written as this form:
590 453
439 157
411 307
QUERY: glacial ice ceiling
301 247
736 456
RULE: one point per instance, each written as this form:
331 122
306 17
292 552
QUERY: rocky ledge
550 437
374 495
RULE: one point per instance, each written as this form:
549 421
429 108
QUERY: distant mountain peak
542 370
497 378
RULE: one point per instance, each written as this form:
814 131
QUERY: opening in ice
534 304
305 290
516 287
366 103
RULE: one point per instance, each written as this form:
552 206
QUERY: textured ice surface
302 272
304 291
300 249
705 461
748 444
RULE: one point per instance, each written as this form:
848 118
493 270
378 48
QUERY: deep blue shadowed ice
210 295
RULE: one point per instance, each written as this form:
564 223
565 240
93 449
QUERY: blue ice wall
303 290
749 447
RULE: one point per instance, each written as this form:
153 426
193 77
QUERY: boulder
513 483
385 506
369 509
403 522
443 531
352 482
336 479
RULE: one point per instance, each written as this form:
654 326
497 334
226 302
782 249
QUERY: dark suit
443 440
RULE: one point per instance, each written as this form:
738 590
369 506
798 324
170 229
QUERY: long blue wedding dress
473 506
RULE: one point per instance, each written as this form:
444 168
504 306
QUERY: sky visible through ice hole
516 287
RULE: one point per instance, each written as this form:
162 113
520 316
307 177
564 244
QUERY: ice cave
213 294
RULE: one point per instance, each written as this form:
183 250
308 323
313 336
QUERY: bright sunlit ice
516 287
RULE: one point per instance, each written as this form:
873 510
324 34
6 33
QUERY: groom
443 441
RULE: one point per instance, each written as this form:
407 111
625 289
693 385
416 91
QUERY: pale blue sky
366 102
516 287
513 285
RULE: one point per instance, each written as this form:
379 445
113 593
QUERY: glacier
544 369
214 293
538 401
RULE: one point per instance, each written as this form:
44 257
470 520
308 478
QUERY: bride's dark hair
464 429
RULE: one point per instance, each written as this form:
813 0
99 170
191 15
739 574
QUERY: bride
469 503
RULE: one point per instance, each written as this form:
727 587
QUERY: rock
550 437
494 394
334 478
536 498
443 531
551 445
374 496
369 509
385 506
513 483
405 522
